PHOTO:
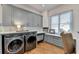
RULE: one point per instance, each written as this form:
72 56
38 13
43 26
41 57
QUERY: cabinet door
37 20
20 17
29 19
23 17
0 15
26 21
50 39
46 38
34 20
40 37
58 41
0 44
53 40
7 15
0 51
17 16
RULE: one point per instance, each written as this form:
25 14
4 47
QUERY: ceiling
42 7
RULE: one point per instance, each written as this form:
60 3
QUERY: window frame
58 22
59 14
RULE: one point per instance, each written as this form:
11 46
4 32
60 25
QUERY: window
61 22
54 23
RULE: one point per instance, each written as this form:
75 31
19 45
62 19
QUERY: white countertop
11 32
19 32
29 31
7 32
40 32
53 34
49 33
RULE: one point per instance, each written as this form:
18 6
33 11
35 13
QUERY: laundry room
39 28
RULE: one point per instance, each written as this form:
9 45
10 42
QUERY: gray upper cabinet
0 15
7 15
13 15
37 21
34 20
19 17
30 20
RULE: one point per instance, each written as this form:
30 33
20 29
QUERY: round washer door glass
15 45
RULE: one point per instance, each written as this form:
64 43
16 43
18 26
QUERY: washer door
15 46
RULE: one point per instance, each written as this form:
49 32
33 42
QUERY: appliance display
13 44
30 41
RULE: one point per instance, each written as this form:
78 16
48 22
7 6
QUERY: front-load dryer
30 41
13 43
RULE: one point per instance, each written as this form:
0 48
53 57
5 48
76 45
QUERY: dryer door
31 39
15 45
30 42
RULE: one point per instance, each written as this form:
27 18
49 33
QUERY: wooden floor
45 48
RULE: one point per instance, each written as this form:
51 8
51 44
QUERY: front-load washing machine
13 43
30 41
